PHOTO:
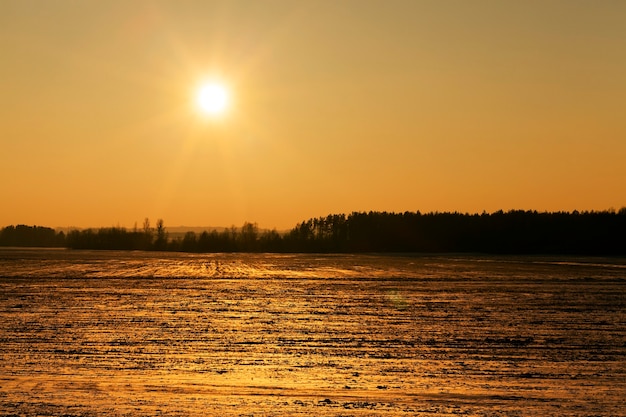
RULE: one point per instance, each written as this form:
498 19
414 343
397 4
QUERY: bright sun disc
212 99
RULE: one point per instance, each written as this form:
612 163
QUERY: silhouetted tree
147 234
160 243
189 243
247 239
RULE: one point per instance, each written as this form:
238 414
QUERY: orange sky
336 106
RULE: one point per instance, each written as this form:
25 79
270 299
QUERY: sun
212 99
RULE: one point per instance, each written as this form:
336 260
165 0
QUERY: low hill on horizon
173 231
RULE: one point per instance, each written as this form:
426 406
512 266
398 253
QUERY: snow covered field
87 333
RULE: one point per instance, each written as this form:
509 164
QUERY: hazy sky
336 106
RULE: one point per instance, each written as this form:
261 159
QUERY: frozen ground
145 334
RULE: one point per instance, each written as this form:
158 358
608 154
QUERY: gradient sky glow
335 106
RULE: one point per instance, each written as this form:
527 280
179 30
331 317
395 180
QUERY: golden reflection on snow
138 334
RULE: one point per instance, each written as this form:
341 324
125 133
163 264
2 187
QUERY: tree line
512 232
248 238
120 238
31 236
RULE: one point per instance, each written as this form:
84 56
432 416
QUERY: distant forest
512 232
25 236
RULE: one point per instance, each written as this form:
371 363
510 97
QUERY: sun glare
212 99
